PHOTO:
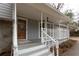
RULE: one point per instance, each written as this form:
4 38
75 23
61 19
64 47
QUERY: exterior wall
5 35
5 26
59 33
6 10
33 30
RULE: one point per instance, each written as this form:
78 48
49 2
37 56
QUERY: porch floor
33 49
74 51
28 45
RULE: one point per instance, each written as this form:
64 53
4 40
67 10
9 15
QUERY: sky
73 6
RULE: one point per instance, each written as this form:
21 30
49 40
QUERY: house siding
33 30
6 10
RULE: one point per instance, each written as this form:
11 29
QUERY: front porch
32 44
40 31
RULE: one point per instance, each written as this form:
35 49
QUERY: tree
58 6
69 13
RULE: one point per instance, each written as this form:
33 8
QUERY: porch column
68 32
41 27
15 43
50 29
53 31
46 27
26 29
54 38
57 42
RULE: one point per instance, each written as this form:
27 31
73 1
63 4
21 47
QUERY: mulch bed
65 46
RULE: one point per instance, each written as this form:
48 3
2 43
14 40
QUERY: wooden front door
21 29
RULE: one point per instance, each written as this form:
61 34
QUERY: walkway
74 51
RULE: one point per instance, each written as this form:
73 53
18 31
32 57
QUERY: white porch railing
47 39
51 36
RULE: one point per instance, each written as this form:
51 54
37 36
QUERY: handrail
55 41
49 36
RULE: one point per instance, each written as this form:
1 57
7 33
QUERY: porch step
22 42
40 50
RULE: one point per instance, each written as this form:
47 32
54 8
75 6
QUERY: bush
63 47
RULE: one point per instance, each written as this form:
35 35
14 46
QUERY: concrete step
39 50
24 41
43 52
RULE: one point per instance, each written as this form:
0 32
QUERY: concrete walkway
74 51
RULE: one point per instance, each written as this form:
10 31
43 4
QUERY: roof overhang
33 11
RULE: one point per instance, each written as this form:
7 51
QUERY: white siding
33 30
5 10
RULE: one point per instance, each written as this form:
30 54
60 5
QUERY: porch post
41 27
15 43
46 28
57 42
54 38
53 31
68 32
50 30
46 25
26 29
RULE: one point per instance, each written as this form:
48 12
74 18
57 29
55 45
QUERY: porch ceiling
33 11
